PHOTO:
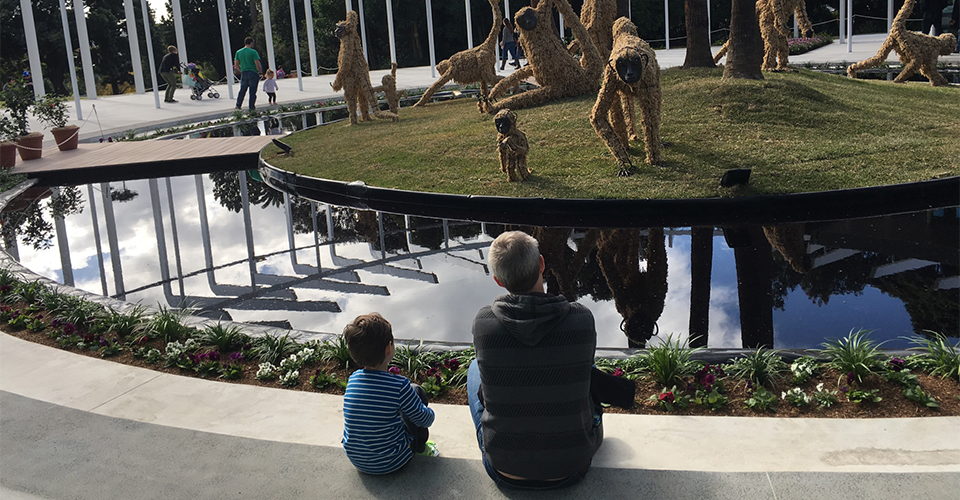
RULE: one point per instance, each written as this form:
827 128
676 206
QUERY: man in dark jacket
932 11
169 69
529 388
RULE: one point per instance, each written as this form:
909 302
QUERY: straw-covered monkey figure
632 70
558 73
353 74
917 51
773 17
388 85
512 146
476 65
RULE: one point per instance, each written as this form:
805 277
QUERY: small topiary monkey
388 85
917 51
632 70
512 146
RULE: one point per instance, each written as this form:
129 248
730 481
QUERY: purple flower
69 328
432 372
236 357
844 389
666 397
709 379
213 356
5 289
850 378
898 364
394 370
56 323
452 364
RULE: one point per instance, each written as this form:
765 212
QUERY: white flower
783 395
820 387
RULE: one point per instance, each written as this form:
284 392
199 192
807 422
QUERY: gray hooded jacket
535 352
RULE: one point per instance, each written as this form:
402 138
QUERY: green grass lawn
799 132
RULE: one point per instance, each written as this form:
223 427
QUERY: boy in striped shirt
385 416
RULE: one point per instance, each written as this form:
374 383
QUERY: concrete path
113 115
78 427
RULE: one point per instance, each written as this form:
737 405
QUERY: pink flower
394 370
618 372
666 397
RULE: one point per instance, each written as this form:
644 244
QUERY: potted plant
8 145
52 111
18 99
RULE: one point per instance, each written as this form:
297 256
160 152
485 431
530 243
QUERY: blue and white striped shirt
374 436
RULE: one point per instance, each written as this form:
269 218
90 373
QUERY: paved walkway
113 115
72 426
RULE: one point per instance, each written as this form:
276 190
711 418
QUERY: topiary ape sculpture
512 146
388 85
558 73
773 17
353 74
476 65
917 51
632 70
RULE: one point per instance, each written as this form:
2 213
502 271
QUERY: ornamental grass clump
413 360
937 355
336 350
168 325
127 325
223 338
669 362
854 354
273 348
763 367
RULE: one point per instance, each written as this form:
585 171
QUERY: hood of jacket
530 316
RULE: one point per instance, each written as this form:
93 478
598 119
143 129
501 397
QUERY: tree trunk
745 52
701 266
755 289
698 35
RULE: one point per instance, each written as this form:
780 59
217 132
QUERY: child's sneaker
430 450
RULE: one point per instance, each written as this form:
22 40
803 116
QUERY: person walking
247 63
169 69
508 45
933 17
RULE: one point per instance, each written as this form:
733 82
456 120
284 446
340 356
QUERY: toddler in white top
270 86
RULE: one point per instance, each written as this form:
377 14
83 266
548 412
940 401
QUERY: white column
666 22
33 50
296 45
890 14
433 54
178 29
561 26
89 80
709 23
796 26
849 25
349 6
268 34
363 33
153 64
132 37
225 39
393 42
843 16
466 6
308 9
72 67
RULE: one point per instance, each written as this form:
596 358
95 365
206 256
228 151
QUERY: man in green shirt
247 63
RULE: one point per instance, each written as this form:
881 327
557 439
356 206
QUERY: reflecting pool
232 247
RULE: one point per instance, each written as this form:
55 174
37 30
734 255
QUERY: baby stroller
193 78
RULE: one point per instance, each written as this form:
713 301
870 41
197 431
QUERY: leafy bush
272 348
796 397
938 354
168 325
414 361
803 368
669 362
763 367
127 324
223 338
336 350
825 398
761 399
854 353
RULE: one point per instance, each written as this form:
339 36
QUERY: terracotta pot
8 154
30 146
67 137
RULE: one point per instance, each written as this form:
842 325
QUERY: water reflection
231 247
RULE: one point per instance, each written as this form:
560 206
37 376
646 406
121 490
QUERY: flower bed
802 45
851 378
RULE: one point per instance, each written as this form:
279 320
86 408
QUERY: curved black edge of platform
565 212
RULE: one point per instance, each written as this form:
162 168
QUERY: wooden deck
144 159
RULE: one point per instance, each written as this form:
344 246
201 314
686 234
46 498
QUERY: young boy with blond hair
385 416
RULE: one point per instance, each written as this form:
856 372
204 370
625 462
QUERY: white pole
562 27
433 54
796 26
68 44
709 24
849 25
178 29
296 45
268 34
890 14
843 16
153 64
466 6
89 80
308 9
363 32
33 50
133 38
666 22
393 41
225 39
